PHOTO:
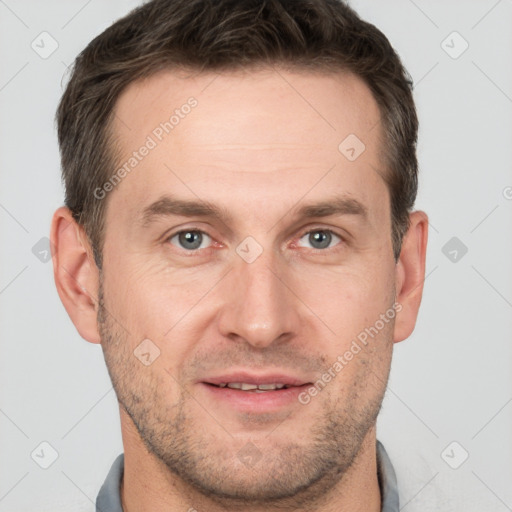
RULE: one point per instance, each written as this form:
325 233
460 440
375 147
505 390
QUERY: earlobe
410 275
76 274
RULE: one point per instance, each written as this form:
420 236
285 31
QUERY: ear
410 275
75 272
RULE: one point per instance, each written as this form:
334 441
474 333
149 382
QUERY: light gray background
451 381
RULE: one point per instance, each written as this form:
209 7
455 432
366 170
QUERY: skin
259 149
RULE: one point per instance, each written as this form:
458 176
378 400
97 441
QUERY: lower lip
250 401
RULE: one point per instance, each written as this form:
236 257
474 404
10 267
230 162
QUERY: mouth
255 393
254 388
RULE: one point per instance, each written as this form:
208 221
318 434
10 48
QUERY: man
239 236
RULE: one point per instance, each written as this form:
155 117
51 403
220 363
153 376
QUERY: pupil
191 237
321 237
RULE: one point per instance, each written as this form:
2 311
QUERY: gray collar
109 498
387 480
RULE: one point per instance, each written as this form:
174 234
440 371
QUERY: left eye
190 239
321 238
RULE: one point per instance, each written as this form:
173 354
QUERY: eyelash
194 252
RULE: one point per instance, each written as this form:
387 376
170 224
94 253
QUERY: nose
259 305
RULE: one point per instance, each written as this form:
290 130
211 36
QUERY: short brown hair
216 35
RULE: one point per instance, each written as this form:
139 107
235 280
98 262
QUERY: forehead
270 131
329 102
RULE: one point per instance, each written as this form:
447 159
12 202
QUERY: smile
257 388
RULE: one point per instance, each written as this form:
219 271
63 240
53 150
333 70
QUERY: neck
149 486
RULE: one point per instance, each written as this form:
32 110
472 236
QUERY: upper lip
256 379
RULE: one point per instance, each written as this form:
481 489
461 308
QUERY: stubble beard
289 473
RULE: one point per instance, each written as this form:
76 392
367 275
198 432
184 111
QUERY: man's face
266 294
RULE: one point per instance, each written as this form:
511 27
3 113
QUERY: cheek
348 300
154 300
166 305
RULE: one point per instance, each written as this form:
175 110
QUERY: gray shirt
109 498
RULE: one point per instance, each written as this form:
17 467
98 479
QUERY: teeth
271 386
242 385
252 387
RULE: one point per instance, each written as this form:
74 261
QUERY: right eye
190 239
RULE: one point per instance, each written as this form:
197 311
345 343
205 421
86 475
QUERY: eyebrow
168 206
